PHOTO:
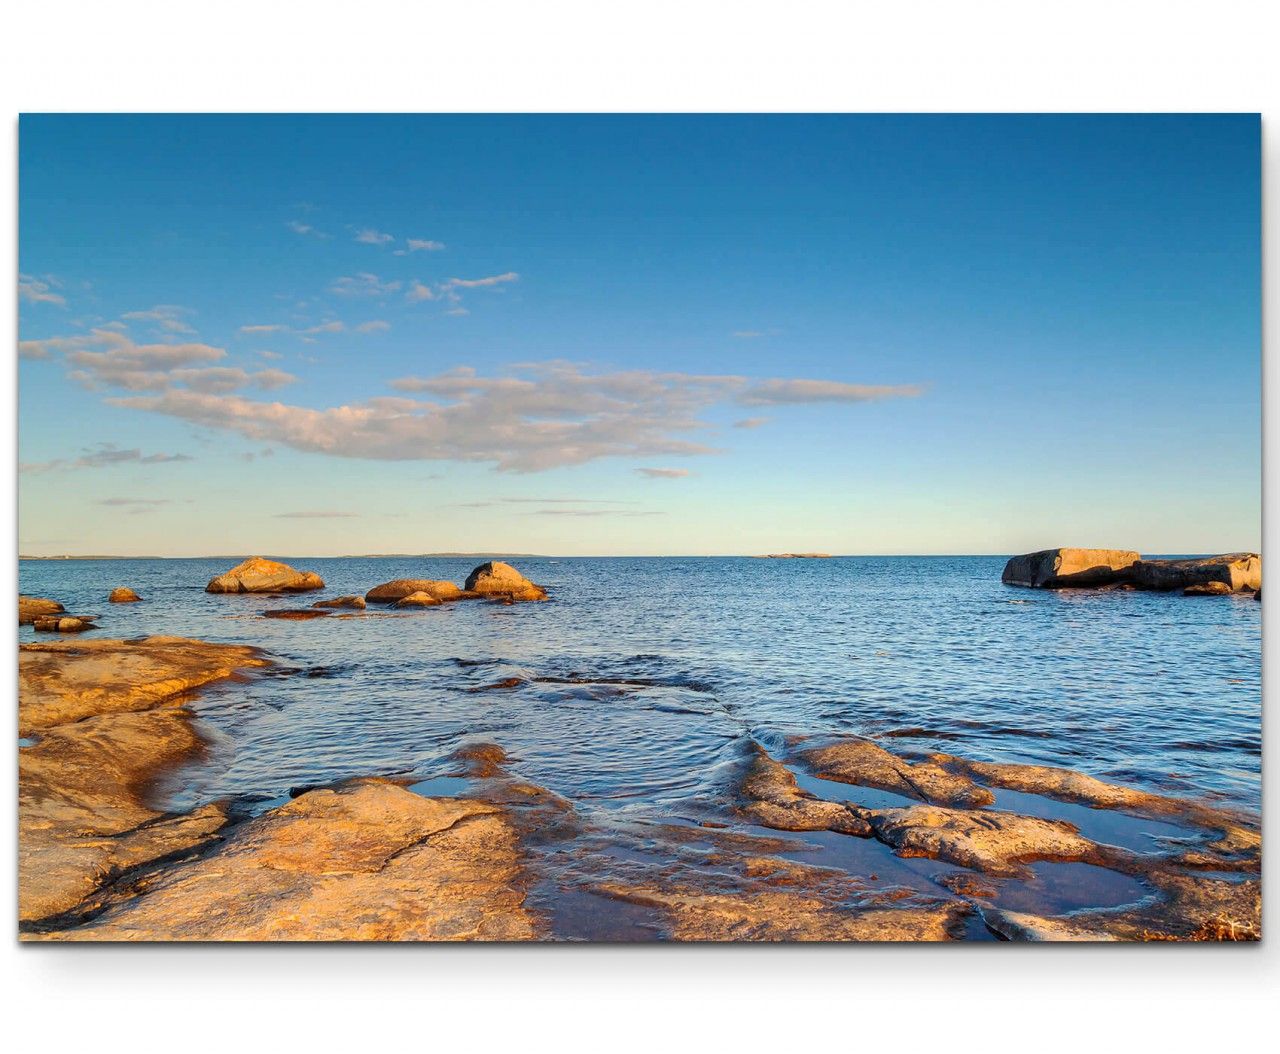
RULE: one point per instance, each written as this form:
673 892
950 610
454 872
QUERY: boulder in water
32 608
389 592
294 614
1239 572
257 575
64 623
503 582
1067 568
123 595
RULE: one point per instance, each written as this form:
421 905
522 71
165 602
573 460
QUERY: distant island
795 556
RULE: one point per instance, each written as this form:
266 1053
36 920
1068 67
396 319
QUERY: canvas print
689 528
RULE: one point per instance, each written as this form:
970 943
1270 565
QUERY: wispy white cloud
319 515
332 326
298 227
39 291
167 317
363 284
751 422
120 503
107 455
376 325
106 358
478 283
369 236
416 245
665 473
779 392
418 292
270 328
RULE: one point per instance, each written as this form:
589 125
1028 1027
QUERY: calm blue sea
656 671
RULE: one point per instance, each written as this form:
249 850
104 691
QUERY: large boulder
123 595
257 575
499 580
1068 568
389 592
32 608
1239 572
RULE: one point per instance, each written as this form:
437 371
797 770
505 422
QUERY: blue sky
638 335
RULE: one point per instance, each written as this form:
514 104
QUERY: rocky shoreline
505 859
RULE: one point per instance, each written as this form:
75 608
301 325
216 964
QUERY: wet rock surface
420 599
257 575
295 614
123 595
866 764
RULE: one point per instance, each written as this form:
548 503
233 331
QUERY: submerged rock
784 915
31 608
389 592
502 581
368 861
295 614
257 575
342 602
123 595
419 599
1068 568
865 764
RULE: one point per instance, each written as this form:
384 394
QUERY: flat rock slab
61 682
81 818
770 797
866 764
369 861
995 843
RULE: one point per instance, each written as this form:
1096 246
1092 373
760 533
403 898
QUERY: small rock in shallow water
123 595
342 602
400 588
417 600
64 623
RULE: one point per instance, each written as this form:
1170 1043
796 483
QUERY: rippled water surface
645 677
